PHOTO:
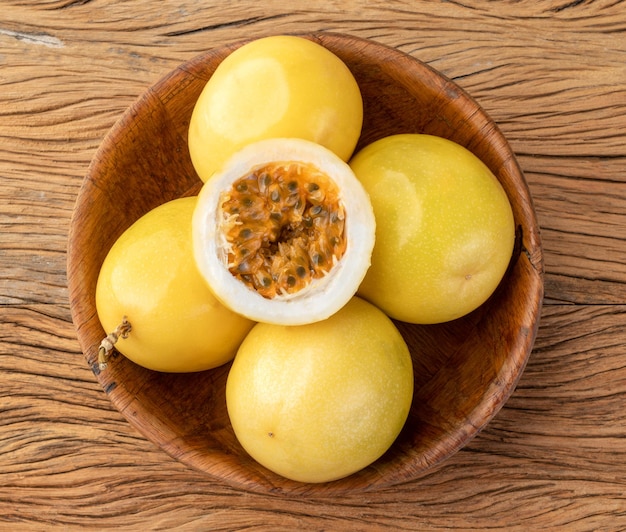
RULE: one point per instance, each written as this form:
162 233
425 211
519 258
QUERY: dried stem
108 343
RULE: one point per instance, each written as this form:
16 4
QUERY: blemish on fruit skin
270 434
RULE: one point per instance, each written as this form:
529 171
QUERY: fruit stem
107 344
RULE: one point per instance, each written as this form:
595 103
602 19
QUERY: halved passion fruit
284 232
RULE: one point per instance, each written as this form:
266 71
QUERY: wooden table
552 73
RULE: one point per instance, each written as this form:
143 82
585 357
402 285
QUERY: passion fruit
278 86
445 228
149 281
318 402
284 233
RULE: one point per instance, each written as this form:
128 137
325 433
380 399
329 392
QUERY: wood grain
553 76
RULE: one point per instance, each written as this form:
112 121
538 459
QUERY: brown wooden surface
553 76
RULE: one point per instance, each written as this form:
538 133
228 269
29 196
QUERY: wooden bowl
464 370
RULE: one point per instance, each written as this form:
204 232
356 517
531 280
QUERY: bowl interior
464 370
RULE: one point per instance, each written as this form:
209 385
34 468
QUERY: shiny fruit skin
445 228
318 402
149 275
278 86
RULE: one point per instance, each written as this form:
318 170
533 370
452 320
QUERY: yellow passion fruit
278 86
149 277
318 402
445 228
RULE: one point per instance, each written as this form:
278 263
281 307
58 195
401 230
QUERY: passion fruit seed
283 227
